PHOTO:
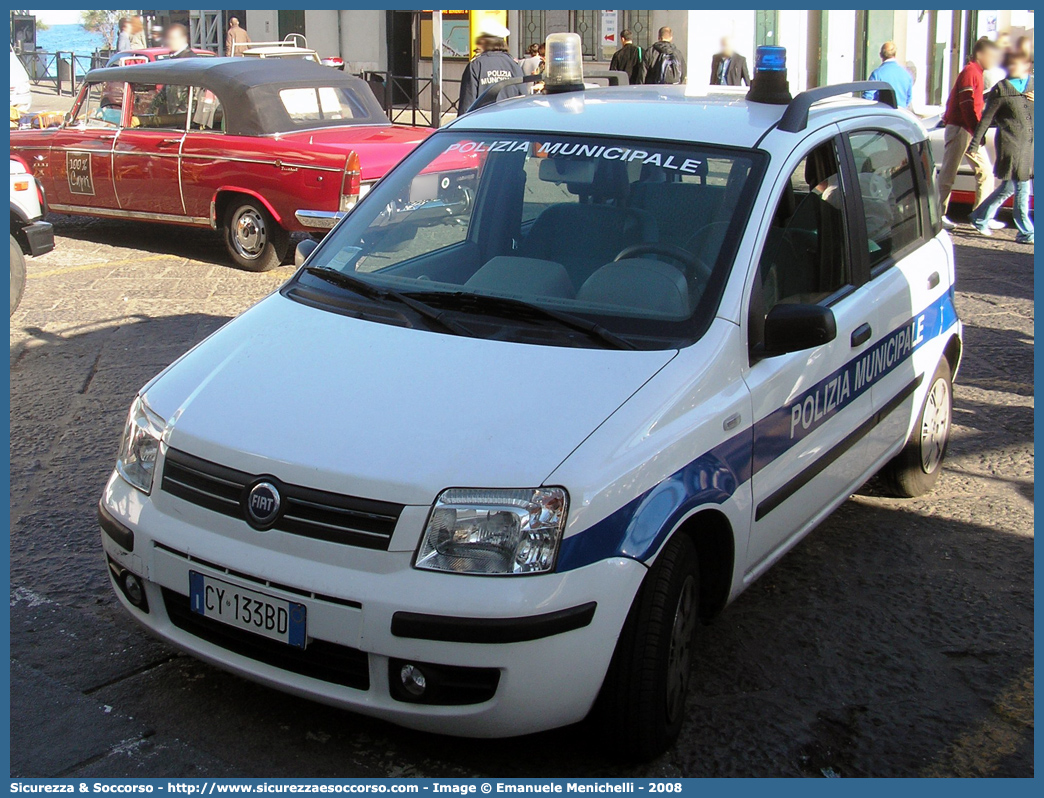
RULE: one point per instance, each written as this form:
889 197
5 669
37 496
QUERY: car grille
322 660
311 513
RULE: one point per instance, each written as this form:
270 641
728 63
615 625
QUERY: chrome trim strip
198 157
138 154
119 213
322 127
194 489
112 158
321 220
343 510
181 188
299 520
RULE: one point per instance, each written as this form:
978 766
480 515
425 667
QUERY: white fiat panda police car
565 382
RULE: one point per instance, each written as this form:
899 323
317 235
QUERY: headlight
140 446
494 531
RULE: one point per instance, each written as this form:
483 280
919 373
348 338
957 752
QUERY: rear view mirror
304 249
792 328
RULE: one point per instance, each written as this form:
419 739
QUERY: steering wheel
694 267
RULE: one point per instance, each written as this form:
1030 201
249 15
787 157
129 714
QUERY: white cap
494 29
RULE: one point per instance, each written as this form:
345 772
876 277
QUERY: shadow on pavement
178 241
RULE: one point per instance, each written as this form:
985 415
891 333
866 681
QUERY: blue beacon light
770 84
770 58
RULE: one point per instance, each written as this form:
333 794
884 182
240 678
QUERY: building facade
822 46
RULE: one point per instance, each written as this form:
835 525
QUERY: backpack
669 70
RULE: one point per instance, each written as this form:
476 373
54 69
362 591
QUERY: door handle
861 334
933 280
167 142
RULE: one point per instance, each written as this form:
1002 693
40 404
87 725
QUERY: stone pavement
896 640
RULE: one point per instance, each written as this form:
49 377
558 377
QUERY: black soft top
248 89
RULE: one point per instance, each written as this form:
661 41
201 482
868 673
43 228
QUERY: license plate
247 609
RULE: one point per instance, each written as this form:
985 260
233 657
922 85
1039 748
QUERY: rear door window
159 107
888 187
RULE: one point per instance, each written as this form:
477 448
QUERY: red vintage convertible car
255 147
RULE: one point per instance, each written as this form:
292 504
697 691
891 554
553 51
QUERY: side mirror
791 328
66 119
304 249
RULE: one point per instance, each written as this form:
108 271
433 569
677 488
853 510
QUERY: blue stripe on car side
786 426
637 529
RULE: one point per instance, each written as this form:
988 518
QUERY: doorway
873 28
402 53
816 53
291 22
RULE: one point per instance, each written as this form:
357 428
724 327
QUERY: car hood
368 409
379 147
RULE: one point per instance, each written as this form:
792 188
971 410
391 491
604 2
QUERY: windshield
565 240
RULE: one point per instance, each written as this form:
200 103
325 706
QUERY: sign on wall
610 33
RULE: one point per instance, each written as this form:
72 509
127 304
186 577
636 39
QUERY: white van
566 381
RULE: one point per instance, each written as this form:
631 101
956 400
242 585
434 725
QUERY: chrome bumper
320 220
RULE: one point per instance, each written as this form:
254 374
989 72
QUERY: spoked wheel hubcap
679 661
935 426
249 235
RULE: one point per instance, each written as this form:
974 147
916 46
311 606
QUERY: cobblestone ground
896 640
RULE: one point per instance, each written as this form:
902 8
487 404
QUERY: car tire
642 702
253 238
915 470
17 274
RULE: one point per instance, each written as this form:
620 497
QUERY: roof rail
795 118
492 94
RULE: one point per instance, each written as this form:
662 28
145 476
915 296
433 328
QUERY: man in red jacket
963 111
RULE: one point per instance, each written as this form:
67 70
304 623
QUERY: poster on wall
610 38
456 35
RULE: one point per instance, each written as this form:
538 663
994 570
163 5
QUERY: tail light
351 182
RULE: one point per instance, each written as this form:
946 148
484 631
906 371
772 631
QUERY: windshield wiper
498 305
367 289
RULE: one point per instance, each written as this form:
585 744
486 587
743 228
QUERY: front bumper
548 638
37 238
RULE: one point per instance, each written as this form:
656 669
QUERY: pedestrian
156 36
729 68
895 75
1010 106
628 59
1025 46
995 74
532 63
176 40
963 111
137 34
492 65
236 38
123 38
663 62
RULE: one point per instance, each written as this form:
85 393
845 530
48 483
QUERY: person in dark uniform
491 66
629 59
